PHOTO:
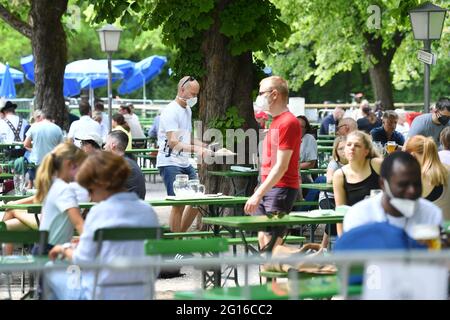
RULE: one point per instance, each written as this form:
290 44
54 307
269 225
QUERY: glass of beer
428 235
391 146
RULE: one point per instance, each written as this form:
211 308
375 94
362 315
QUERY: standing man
431 124
42 137
280 156
333 118
12 127
387 131
175 147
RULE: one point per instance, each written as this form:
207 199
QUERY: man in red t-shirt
280 157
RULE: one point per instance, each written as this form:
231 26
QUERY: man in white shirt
175 148
12 127
85 125
402 124
400 203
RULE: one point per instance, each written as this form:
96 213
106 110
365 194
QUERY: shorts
277 200
168 174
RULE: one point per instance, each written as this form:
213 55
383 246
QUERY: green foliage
231 120
249 25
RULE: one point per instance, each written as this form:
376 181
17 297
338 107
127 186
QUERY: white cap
90 136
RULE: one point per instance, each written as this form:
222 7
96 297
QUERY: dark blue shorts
168 174
277 200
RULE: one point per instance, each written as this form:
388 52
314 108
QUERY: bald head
188 82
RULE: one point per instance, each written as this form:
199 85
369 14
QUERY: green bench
323 287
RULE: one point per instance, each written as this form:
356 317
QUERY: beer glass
391 146
428 235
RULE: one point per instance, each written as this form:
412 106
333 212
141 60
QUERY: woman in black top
353 182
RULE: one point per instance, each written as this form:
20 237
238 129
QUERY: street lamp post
109 42
427 22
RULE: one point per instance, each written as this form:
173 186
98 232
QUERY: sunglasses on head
187 80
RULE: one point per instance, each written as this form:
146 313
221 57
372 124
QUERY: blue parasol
7 89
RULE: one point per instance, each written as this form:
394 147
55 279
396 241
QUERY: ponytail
44 177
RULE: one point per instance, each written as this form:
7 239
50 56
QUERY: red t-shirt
284 134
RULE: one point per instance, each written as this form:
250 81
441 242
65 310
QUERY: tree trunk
380 78
379 72
227 82
50 52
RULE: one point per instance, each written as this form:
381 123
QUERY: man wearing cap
12 127
90 142
42 137
85 125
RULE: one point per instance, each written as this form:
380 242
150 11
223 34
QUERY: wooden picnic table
138 151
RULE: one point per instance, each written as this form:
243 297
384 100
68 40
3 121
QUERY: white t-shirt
370 211
6 131
82 127
55 220
174 118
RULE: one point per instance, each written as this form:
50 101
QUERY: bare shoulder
376 164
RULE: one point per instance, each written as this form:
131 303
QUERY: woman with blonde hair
353 182
435 175
104 174
60 211
54 168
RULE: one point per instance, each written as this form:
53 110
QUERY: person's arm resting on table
275 174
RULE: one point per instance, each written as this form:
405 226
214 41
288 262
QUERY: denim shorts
277 200
168 174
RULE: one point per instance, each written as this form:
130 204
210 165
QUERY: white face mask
191 102
262 102
405 206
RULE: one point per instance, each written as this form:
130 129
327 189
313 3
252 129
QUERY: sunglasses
275 214
187 80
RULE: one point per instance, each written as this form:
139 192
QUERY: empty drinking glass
19 184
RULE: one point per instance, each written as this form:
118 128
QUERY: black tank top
355 192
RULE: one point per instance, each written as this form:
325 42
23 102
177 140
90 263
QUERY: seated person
346 126
400 204
308 149
444 154
387 131
104 174
332 119
369 121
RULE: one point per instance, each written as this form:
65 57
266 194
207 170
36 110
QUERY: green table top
317 186
317 287
313 171
263 222
325 148
231 173
149 170
200 202
14 144
13 197
36 207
